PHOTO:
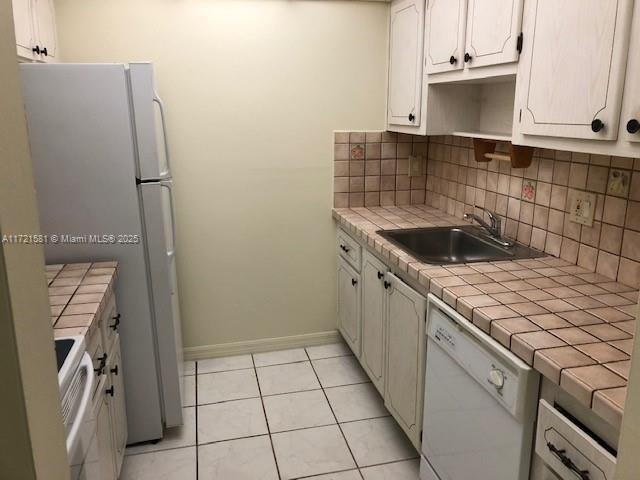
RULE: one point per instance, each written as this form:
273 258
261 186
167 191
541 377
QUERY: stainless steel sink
446 245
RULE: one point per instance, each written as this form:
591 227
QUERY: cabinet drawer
349 249
108 322
565 447
97 352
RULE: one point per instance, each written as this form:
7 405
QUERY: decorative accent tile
619 182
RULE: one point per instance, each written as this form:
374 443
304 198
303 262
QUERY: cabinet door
117 406
406 37
493 27
373 319
23 20
630 120
406 342
572 67
349 305
104 434
445 29
45 20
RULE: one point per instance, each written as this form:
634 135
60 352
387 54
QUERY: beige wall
253 91
32 442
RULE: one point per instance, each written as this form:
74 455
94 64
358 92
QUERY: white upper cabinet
630 120
493 28
572 69
406 37
35 27
445 30
45 19
23 20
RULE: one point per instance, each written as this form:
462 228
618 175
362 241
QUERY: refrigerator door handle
160 104
167 184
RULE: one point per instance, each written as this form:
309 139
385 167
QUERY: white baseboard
262 345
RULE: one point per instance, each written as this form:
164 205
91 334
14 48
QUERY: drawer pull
345 248
567 462
110 391
114 327
386 285
380 275
354 282
114 370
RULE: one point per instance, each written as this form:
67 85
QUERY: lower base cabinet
387 317
374 302
349 305
406 346
108 402
117 407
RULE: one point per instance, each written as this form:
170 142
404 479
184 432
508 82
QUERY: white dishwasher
479 406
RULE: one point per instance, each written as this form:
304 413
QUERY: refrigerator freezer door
148 110
81 138
157 203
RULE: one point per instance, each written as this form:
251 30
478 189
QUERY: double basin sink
448 245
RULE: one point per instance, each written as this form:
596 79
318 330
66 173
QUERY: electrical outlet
416 166
582 207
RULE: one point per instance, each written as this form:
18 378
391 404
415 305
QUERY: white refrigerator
101 167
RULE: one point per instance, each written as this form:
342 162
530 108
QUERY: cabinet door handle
110 391
345 248
453 60
386 285
103 362
597 125
114 327
114 370
354 282
412 117
380 275
633 126
36 49
45 52
467 57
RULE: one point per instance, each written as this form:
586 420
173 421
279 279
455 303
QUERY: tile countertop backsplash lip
78 294
515 302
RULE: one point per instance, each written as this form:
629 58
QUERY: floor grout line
266 420
334 416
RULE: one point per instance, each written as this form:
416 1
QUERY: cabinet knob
44 51
412 117
36 50
110 391
380 275
354 282
114 327
633 126
386 285
453 60
597 125
467 57
114 370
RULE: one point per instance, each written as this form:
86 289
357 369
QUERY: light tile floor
303 413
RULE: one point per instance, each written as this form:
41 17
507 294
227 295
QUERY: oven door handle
85 401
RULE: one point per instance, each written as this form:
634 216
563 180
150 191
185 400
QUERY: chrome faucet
494 228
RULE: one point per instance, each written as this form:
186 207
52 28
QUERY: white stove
76 381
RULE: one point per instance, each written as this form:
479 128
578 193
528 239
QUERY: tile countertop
78 293
572 325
